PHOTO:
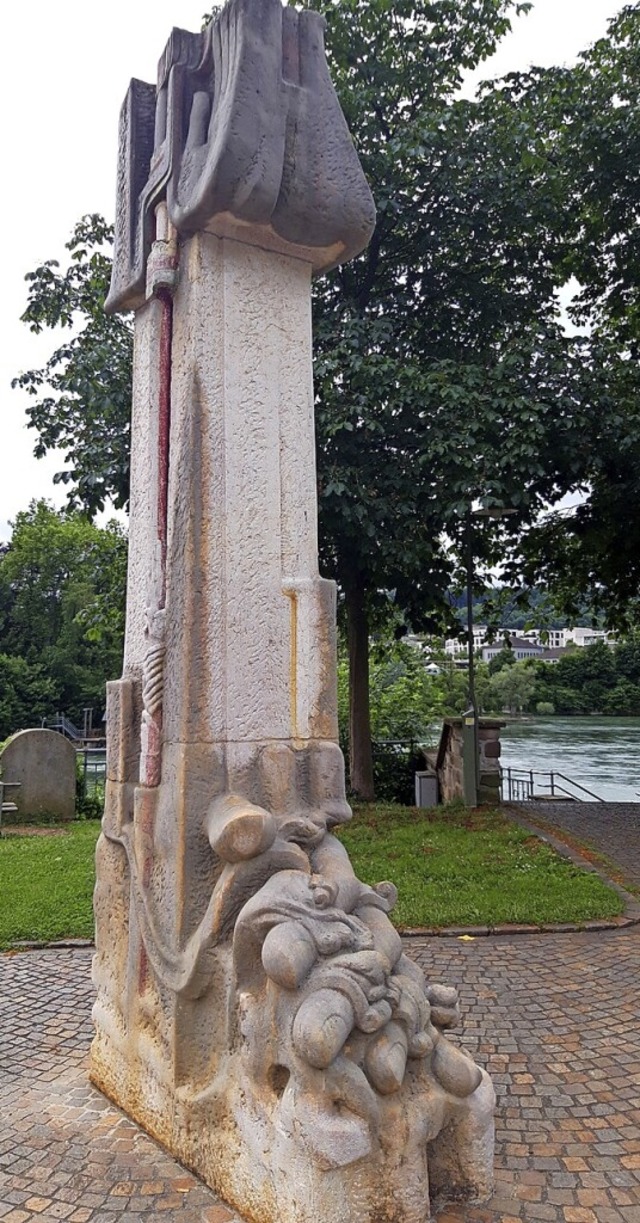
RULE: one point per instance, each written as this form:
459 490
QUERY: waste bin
426 789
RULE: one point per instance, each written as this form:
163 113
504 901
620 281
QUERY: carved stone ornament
255 1009
243 128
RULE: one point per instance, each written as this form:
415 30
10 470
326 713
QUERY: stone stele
255 1010
43 763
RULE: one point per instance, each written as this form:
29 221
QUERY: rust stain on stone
293 661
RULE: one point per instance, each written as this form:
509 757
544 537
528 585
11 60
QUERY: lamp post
470 739
470 743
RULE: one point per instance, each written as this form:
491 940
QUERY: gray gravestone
43 762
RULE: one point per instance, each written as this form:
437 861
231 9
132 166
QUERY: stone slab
43 762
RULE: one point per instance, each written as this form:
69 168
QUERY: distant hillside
517 609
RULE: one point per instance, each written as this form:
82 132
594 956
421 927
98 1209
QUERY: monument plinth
255 1010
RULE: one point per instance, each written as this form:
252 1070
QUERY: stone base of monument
286 1050
256 1163
228 1093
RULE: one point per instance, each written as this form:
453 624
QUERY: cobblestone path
612 828
555 1018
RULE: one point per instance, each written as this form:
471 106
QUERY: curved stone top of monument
40 735
242 136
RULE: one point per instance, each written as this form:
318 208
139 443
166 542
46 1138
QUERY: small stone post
255 1010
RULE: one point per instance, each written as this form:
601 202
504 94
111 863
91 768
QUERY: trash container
426 789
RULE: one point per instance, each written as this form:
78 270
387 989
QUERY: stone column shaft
244 597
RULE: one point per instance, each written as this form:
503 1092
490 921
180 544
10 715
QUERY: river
602 754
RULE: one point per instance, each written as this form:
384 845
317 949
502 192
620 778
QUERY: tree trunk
360 754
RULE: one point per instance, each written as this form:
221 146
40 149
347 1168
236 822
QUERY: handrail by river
520 786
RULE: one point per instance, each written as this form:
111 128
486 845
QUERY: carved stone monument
255 1010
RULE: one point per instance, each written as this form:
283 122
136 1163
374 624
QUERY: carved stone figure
255 1009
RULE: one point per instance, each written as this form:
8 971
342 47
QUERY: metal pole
470 655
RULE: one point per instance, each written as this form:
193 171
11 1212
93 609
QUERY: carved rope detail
152 698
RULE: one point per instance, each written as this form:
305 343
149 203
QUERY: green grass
46 885
459 868
452 868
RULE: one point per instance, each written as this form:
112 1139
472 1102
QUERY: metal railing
521 786
66 727
93 764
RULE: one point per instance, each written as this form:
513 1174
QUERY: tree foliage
80 401
62 588
439 354
592 121
597 679
512 688
27 694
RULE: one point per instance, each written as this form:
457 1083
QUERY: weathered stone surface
255 1010
242 136
449 765
43 762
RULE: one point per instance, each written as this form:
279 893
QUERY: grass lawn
46 884
451 867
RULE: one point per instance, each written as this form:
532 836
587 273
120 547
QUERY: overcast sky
66 69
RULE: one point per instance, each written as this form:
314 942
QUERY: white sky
66 69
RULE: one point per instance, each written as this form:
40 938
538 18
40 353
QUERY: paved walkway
612 828
555 1018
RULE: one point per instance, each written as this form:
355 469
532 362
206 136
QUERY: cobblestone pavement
554 1018
612 828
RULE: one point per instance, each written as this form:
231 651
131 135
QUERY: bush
545 708
394 768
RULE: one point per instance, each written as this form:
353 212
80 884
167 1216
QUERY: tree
81 399
597 679
62 587
512 688
627 658
27 694
622 701
440 361
594 551
403 700
506 658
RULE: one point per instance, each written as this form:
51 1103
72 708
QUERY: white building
521 649
550 638
583 637
456 645
539 639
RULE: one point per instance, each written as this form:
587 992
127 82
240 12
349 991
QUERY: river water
602 754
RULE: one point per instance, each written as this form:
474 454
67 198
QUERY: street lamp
471 748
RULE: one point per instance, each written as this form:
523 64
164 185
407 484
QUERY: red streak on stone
143 970
164 427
